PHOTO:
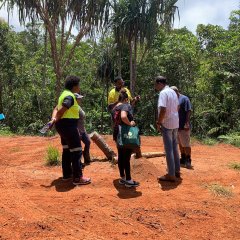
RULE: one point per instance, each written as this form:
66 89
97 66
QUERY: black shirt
127 108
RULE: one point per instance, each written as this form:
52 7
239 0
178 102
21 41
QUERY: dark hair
161 79
123 95
117 78
71 81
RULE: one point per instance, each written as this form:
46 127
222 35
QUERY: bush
233 139
5 131
53 156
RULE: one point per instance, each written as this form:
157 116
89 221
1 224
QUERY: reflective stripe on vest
73 111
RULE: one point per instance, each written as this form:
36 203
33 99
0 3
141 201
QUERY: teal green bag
128 137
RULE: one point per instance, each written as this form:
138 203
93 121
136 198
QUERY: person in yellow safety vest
114 94
65 117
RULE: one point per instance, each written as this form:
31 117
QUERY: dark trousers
124 156
72 150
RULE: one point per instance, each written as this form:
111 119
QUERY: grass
5 131
235 166
233 139
219 190
52 156
209 141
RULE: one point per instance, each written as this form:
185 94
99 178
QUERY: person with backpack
123 114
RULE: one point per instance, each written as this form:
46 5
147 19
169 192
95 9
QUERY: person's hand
137 98
159 127
132 124
52 122
186 126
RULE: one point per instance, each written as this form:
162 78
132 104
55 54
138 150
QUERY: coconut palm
136 22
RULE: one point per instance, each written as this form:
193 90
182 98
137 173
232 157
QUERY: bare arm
57 114
125 119
161 117
135 100
187 123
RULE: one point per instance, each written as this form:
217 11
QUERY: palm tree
62 16
136 22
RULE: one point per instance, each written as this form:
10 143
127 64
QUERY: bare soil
36 204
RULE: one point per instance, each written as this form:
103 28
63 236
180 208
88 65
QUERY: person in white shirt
167 124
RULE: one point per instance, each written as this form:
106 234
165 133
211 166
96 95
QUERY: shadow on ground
166 186
60 185
124 192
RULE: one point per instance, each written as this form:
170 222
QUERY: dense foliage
205 66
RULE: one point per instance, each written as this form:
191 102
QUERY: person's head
119 83
72 83
78 97
123 96
175 89
160 82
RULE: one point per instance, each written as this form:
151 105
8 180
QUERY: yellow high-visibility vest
73 111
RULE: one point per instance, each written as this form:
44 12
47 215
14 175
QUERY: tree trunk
134 67
119 61
130 65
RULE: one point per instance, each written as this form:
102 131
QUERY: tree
136 22
219 77
87 16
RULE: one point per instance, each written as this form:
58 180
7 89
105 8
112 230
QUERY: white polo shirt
168 99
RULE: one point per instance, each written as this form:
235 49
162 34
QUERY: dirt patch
36 204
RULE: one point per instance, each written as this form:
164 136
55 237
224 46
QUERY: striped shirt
168 99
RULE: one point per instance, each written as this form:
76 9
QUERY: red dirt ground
36 204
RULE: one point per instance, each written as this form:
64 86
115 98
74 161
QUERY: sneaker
122 181
82 181
167 178
66 178
131 183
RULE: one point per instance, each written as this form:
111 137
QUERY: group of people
173 122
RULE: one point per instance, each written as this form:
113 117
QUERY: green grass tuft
235 166
5 131
209 141
53 156
219 190
233 139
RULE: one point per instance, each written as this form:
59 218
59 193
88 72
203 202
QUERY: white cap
174 88
78 96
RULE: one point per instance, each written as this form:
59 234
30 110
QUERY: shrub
233 139
53 156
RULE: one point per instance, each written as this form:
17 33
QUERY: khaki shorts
184 138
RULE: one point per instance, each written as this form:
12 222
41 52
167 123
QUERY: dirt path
36 204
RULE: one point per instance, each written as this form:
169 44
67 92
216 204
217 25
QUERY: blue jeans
171 149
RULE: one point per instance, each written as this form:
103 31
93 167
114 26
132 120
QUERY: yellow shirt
114 95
